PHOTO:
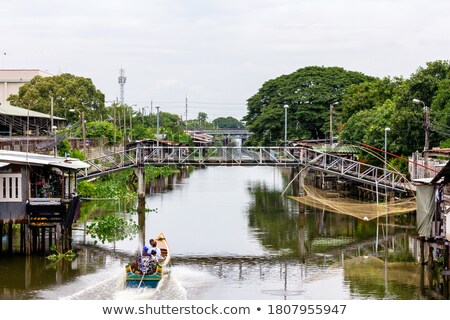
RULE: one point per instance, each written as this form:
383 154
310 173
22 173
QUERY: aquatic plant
69 255
112 228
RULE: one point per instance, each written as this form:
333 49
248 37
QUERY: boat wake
96 286
181 284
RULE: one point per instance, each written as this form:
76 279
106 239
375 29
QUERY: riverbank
121 185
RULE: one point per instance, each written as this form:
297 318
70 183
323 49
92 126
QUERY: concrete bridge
247 156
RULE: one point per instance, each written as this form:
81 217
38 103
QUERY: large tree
228 123
371 106
68 92
308 92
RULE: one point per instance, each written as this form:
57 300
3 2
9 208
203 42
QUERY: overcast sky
218 53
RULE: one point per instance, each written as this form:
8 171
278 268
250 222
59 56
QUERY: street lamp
157 126
285 124
427 122
427 132
386 130
56 141
331 122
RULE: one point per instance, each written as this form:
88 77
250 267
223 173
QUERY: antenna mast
122 81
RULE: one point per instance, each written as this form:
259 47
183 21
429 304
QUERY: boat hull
137 280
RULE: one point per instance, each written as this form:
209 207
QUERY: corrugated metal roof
40 159
22 112
342 149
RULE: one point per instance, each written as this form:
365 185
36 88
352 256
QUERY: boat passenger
145 252
154 247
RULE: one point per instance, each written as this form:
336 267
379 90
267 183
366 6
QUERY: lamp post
427 133
285 124
386 130
56 141
331 122
427 122
83 130
157 126
53 128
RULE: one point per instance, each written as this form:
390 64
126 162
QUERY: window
10 187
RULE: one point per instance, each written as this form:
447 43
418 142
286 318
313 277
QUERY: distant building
19 121
12 79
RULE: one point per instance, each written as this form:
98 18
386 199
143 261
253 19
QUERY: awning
74 165
3 164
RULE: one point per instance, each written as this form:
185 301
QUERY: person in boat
146 252
154 247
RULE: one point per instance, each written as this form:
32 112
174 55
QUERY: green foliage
63 148
202 116
308 92
75 153
368 95
112 228
445 143
228 123
68 92
388 103
120 185
102 129
117 185
69 255
152 173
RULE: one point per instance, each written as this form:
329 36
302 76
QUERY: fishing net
359 209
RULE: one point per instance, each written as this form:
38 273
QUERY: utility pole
331 122
186 118
83 127
131 123
331 125
124 127
427 128
53 128
114 118
426 109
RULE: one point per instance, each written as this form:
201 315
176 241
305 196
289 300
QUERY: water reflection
234 237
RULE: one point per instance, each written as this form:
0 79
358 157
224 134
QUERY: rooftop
8 157
22 112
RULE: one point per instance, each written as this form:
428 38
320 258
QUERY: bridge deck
248 156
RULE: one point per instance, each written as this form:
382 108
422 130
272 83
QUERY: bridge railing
248 156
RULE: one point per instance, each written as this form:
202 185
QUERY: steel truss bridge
247 156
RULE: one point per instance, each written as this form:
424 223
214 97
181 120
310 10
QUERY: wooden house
37 194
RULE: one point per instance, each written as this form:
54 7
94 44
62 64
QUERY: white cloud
219 51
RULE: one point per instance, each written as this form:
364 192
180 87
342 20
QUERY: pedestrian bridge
247 156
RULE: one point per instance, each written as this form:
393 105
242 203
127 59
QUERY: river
233 236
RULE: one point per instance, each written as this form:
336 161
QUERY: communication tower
122 80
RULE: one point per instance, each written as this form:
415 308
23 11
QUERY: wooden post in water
42 240
1 237
422 250
58 238
140 172
34 241
10 238
27 236
50 237
22 238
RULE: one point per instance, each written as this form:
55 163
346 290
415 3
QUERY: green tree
369 94
228 123
101 129
308 92
68 92
202 117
